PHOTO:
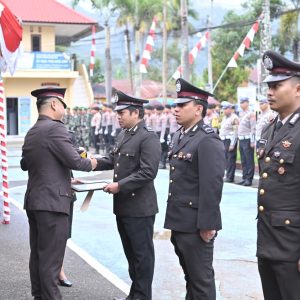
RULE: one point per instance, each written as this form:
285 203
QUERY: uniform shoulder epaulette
294 119
207 129
149 129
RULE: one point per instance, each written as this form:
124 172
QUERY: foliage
98 72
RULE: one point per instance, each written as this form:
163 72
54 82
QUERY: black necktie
278 125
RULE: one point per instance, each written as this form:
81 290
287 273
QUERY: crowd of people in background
238 125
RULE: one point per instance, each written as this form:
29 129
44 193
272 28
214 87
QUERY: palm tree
106 8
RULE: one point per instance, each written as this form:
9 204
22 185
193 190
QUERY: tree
106 8
226 41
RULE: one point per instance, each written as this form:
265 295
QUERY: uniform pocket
285 218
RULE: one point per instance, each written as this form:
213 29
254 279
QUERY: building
47 24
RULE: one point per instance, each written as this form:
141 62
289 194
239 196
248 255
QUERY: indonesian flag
10 39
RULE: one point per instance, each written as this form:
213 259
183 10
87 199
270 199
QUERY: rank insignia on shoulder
148 128
294 119
207 129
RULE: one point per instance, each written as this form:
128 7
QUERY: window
35 43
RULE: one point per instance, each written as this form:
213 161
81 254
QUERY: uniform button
170 194
287 222
261 191
190 203
119 153
258 156
116 175
267 159
175 155
127 154
261 208
171 181
133 194
281 161
173 168
265 175
118 164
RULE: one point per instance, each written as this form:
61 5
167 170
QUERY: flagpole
4 163
220 78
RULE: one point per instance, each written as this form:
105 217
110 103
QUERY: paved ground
96 240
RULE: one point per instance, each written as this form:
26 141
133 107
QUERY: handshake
84 154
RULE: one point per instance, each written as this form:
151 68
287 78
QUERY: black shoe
247 183
241 182
126 298
228 180
64 282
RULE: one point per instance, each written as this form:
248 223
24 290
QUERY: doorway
12 116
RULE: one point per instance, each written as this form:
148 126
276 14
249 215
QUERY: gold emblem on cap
281 170
268 63
286 144
116 98
180 155
188 155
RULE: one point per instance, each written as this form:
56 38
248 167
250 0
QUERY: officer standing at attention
135 161
197 165
228 134
265 116
246 135
278 227
49 155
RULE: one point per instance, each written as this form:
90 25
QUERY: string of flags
193 54
93 50
148 47
245 44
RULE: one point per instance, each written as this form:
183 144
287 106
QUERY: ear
298 90
199 109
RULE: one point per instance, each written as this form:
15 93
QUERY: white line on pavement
114 279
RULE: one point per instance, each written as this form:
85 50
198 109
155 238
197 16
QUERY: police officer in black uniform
278 227
197 166
135 161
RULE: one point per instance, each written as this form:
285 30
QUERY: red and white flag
93 50
10 39
193 54
245 44
148 48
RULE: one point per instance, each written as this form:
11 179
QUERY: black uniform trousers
280 280
164 147
137 239
230 157
195 257
247 159
48 233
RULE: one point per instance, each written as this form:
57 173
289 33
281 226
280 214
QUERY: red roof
46 11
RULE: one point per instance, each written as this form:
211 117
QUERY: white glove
113 133
96 131
105 131
162 141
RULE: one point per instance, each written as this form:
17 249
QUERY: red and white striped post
4 162
93 49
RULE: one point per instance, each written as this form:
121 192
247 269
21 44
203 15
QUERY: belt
244 137
226 137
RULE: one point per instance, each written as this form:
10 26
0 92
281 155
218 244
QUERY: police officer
135 161
278 228
228 134
246 135
48 155
264 117
197 165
